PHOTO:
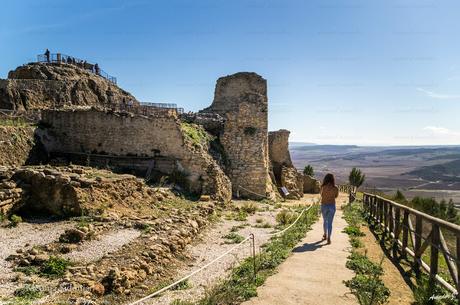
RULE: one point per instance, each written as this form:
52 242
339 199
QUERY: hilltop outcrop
49 85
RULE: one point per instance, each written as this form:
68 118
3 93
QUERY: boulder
310 185
292 180
72 236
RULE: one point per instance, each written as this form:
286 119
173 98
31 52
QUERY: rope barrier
251 236
292 224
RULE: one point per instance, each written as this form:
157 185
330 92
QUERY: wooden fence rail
396 221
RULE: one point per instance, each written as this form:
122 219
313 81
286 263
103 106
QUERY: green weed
233 238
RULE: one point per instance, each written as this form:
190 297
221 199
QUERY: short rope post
254 255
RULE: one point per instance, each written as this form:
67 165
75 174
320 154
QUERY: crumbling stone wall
16 145
39 85
10 193
278 143
286 175
121 134
241 99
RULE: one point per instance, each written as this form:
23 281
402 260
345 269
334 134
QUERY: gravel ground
111 241
12 239
211 245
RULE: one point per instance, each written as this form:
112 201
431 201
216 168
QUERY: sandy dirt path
314 273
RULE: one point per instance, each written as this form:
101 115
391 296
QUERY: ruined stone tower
278 143
241 99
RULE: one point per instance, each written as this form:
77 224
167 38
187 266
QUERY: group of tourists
72 60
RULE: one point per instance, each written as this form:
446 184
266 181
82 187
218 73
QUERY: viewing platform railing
149 105
396 221
62 58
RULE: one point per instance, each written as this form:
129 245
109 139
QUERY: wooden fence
346 188
396 220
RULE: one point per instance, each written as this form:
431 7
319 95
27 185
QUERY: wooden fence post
405 235
385 219
397 230
418 243
435 240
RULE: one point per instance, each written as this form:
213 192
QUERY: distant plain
427 171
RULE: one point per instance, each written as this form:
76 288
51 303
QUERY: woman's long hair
329 180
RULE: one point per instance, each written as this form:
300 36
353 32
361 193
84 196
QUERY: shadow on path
308 247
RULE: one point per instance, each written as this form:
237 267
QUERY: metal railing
62 58
141 109
148 105
396 221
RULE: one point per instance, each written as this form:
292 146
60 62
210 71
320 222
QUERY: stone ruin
284 172
221 151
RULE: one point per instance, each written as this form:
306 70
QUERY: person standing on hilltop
329 192
47 55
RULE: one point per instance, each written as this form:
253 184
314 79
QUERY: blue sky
373 72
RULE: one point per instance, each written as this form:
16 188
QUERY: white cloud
442 131
439 96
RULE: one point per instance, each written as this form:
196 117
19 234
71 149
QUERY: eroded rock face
278 144
310 185
241 99
18 146
40 85
72 191
284 172
293 181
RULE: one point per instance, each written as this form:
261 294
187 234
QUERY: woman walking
329 192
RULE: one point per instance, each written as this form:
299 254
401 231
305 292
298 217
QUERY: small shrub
356 177
55 267
286 217
308 171
361 264
233 238
264 225
353 231
237 228
28 270
368 290
144 227
249 207
355 242
240 216
15 220
28 292
182 285
196 134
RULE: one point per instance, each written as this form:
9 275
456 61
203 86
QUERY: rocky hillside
44 85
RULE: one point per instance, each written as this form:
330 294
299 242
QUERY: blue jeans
328 211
